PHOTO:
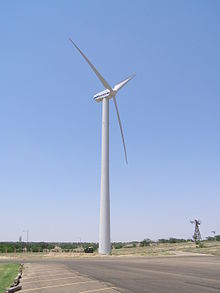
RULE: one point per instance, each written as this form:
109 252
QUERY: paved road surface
164 274
194 274
57 278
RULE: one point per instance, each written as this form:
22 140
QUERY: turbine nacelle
101 95
104 94
109 92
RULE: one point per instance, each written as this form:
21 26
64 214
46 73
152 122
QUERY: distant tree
217 237
35 248
10 248
40 246
145 242
172 240
118 245
162 240
176 240
209 238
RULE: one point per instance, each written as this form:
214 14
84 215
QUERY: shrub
118 245
199 244
145 242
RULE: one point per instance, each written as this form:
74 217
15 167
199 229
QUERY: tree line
9 247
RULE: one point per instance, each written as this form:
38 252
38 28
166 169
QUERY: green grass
8 272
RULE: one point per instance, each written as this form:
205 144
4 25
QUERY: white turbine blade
119 121
103 81
119 85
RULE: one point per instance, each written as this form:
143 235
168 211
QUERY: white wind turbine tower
104 97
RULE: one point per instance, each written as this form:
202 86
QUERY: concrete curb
15 286
13 289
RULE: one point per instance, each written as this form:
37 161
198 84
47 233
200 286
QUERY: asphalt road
164 274
157 274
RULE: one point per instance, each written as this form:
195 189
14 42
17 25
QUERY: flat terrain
178 267
195 274
58 278
158 274
155 249
207 247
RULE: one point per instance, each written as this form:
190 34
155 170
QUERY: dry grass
212 247
209 247
154 249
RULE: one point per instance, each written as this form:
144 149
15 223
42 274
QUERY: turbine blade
119 121
103 81
119 85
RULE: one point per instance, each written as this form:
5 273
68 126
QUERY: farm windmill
196 235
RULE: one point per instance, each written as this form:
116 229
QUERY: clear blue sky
50 126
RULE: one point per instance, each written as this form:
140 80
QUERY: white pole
104 228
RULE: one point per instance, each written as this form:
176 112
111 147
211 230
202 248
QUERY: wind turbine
104 97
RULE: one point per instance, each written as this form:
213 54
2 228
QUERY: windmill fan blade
119 85
119 121
100 77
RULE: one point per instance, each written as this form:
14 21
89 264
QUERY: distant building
56 249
